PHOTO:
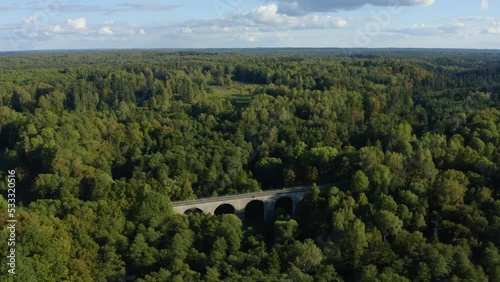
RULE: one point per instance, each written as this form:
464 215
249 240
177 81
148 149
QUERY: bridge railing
250 194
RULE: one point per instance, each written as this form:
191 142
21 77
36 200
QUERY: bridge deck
252 194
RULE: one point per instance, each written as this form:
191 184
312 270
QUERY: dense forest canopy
103 142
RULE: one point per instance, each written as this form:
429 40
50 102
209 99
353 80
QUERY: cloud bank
79 23
301 7
270 17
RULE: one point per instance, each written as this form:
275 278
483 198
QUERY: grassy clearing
238 93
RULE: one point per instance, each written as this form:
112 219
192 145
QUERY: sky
117 24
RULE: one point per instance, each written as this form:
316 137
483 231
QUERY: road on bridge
252 194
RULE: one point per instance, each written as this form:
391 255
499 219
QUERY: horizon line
245 48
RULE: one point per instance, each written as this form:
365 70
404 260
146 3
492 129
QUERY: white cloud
30 20
262 19
326 22
268 16
79 23
187 30
251 37
105 30
55 29
494 28
484 5
142 31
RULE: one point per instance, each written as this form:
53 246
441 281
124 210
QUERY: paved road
286 190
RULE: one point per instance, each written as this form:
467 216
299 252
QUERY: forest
102 143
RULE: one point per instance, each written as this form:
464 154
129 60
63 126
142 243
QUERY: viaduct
257 204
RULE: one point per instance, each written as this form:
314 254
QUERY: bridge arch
255 211
283 205
224 209
255 205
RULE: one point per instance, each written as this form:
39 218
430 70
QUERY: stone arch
192 211
224 209
284 205
255 211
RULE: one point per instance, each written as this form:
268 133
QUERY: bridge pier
240 214
295 203
268 211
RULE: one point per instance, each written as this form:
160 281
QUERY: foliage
103 142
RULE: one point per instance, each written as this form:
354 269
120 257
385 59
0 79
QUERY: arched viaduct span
265 202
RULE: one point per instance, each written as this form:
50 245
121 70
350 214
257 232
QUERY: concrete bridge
257 204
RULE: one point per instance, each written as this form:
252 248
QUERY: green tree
284 231
449 188
388 223
360 182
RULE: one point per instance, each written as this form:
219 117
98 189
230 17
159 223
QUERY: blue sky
65 24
